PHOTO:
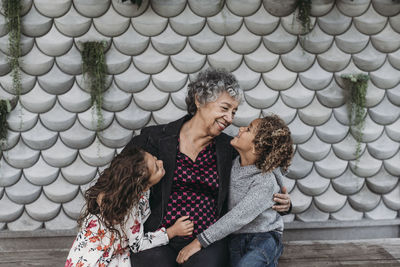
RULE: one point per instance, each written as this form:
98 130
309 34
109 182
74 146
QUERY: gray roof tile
313 214
315 78
75 100
91 35
42 209
374 95
279 8
150 61
21 156
333 59
393 131
179 98
53 8
280 78
20 119
55 81
371 130
23 192
259 23
394 59
188 60
353 9
261 60
4 65
97 154
132 80
90 119
57 119
3 27
300 201
300 132
316 41
131 42
392 165
330 200
169 80
111 24
347 213
280 41
8 174
168 42
312 184
385 112
114 99
392 199
286 113
383 147
115 135
387 40
381 212
293 25
77 136
300 167
79 172
149 23
39 137
352 41
315 114
168 113
341 114
61 190
206 41
92 8
151 98
11 141
245 115
225 58
331 166
314 149
334 23
27 83
346 148
54 43
26 44
187 23
72 23
261 96
59 155
386 8
24 223
247 78
34 24
369 59
243 41
364 200
37 100
116 61
205 8
386 77
9 210
332 131
70 62
332 96
74 207
127 9
133 117
366 166
298 60
243 9
382 183
370 22
348 183
61 222
395 23
170 9
225 22
36 63
41 173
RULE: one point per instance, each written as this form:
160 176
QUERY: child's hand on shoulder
182 227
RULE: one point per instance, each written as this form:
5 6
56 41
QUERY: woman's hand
188 251
183 226
282 200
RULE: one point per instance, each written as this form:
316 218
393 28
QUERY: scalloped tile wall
53 153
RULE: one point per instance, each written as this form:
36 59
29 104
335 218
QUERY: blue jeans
255 250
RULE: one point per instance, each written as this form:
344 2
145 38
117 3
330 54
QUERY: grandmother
197 158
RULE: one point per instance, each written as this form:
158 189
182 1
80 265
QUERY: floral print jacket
97 246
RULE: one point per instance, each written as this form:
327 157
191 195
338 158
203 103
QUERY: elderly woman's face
219 114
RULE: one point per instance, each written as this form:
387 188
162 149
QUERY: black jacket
162 141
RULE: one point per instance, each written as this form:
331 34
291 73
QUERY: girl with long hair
117 206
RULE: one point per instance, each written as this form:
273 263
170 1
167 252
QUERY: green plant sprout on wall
12 11
94 71
303 16
356 104
5 108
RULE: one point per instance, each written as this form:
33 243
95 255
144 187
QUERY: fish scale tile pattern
53 152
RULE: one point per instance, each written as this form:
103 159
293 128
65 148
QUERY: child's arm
181 227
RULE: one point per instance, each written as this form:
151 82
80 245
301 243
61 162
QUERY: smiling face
217 115
243 141
155 168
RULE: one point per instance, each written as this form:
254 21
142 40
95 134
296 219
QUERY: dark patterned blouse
194 190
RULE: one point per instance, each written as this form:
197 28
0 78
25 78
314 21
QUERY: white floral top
96 246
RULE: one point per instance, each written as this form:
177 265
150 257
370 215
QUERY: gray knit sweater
250 201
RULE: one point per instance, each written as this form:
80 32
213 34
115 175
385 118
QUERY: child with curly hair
116 208
265 151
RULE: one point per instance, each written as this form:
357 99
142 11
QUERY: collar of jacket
167 152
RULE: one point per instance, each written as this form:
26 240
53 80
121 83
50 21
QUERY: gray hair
209 85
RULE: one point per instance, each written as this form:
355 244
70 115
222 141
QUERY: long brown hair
273 144
121 186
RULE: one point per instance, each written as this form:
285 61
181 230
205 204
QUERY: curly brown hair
120 186
273 144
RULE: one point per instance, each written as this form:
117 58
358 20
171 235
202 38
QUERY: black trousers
215 255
